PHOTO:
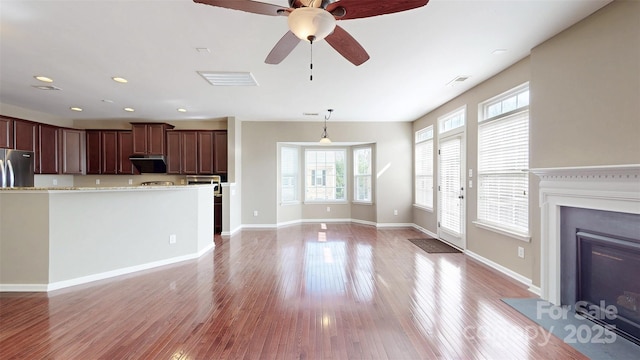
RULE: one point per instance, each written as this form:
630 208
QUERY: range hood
149 163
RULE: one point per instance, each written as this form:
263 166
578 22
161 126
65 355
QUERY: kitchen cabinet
205 152
217 214
73 150
94 151
109 152
25 137
149 138
192 152
6 133
174 152
189 152
125 149
220 151
47 154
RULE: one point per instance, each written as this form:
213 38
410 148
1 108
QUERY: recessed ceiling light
44 79
107 101
75 108
182 110
120 79
203 50
129 109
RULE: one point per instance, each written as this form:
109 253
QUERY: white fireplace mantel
610 188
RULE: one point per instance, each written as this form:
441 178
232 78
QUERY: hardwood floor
300 292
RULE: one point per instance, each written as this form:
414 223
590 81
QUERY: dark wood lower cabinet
217 214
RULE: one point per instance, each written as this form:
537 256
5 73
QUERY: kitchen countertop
94 189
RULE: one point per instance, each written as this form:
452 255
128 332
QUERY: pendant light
324 139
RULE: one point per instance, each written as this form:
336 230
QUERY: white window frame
453 121
290 177
366 176
308 183
491 113
424 150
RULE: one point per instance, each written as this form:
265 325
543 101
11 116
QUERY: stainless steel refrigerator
16 168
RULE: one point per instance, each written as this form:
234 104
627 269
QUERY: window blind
450 187
289 174
424 173
362 174
503 155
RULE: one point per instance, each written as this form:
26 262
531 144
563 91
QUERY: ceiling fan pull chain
311 62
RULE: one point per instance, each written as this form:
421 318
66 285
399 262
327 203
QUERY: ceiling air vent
46 87
228 78
457 80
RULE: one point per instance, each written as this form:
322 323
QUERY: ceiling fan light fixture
311 24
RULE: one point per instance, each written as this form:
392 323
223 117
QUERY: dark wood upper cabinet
109 152
174 152
73 151
25 137
48 149
220 152
125 149
149 138
189 152
6 133
205 152
94 151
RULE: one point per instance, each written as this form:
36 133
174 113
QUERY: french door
451 204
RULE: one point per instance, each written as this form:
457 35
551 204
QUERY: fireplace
590 242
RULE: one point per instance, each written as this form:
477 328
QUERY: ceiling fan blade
347 46
248 6
355 9
283 48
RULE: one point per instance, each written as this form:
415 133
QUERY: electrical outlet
130 181
395 212
470 184
172 239
55 182
255 212
97 181
520 252
328 209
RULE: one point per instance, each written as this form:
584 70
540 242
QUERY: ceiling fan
314 20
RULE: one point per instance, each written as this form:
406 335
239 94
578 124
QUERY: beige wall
393 159
585 110
498 248
585 92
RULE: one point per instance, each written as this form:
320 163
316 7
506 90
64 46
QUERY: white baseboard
510 273
101 276
423 230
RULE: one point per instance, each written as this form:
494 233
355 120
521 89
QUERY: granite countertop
110 188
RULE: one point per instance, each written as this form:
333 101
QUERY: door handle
461 197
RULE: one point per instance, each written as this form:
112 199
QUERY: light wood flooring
300 292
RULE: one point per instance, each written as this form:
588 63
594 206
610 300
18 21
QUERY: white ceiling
152 43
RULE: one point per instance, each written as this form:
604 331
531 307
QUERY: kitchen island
59 237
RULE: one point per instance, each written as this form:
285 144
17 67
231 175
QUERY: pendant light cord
311 61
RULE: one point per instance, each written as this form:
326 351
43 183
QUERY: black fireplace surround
600 267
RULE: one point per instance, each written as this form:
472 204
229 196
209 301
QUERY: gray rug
433 246
583 335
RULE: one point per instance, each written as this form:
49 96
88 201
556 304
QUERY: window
325 175
424 167
289 174
503 157
453 120
362 174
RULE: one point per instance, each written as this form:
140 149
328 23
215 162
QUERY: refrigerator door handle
4 174
12 177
